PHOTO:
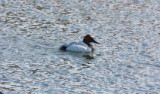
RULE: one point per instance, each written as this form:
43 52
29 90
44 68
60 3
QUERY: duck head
88 39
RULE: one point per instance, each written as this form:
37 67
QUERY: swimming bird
80 46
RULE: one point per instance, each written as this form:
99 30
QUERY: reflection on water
127 60
81 54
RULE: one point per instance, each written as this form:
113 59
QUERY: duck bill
95 42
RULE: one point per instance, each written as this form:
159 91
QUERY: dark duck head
88 39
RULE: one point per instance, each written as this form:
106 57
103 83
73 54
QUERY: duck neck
89 45
86 42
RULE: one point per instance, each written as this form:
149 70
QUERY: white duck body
78 46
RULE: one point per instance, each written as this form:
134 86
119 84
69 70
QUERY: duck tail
63 48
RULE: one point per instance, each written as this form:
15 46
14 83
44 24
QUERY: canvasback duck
80 46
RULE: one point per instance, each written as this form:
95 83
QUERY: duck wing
78 47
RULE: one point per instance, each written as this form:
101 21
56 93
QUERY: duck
80 46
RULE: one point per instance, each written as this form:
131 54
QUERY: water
126 62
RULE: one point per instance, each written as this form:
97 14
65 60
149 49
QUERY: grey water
127 60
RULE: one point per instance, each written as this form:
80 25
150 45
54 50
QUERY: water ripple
127 60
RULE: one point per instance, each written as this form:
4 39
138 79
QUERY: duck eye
92 39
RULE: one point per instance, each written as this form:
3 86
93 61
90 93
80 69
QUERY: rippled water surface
127 60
